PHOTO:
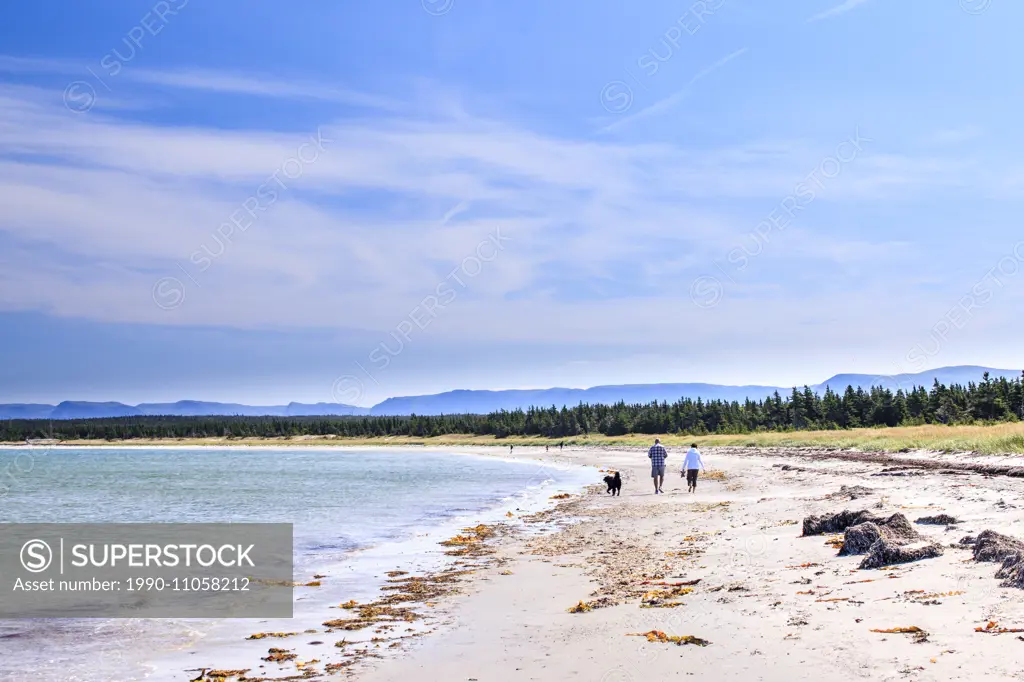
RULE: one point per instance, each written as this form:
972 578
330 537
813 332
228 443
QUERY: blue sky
317 201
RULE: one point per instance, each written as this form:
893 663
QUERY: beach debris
350 604
850 492
896 471
807 565
992 628
1012 572
600 603
264 635
835 523
707 506
715 475
582 607
993 546
920 636
685 583
374 614
680 640
835 542
395 574
858 539
279 656
884 553
226 674
562 496
929 598
312 583
471 542
938 520
472 535
659 598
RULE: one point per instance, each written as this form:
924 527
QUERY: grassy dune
988 439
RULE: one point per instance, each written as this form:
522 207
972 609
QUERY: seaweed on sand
858 539
992 628
886 553
680 640
279 656
920 636
264 635
835 523
938 520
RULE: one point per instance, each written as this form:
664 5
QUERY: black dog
614 483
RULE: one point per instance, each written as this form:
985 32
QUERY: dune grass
1007 438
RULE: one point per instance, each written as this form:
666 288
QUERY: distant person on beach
657 454
692 464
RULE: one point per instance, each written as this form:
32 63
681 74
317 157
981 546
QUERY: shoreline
765 598
729 566
418 552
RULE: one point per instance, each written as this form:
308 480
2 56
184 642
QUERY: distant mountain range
482 402
74 409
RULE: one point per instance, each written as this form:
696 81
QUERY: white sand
516 627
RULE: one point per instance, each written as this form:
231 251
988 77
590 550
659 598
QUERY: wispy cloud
838 9
96 208
261 87
205 80
676 97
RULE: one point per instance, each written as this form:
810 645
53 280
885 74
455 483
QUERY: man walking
692 464
657 455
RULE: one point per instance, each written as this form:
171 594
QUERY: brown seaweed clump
680 640
887 552
836 523
939 520
471 541
920 636
264 635
858 539
374 614
851 492
994 547
279 656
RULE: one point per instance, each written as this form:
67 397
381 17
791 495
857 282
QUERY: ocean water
356 513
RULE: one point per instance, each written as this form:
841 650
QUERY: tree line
985 401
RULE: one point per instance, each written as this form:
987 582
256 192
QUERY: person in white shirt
692 464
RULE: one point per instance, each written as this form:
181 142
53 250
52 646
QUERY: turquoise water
353 511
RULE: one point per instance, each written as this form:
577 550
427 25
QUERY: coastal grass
1002 438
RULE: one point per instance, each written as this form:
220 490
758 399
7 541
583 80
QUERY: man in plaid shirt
657 454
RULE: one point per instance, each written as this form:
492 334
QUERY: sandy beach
729 565
757 576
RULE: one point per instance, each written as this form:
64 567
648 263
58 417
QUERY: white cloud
98 208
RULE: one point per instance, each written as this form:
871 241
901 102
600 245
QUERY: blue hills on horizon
483 401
